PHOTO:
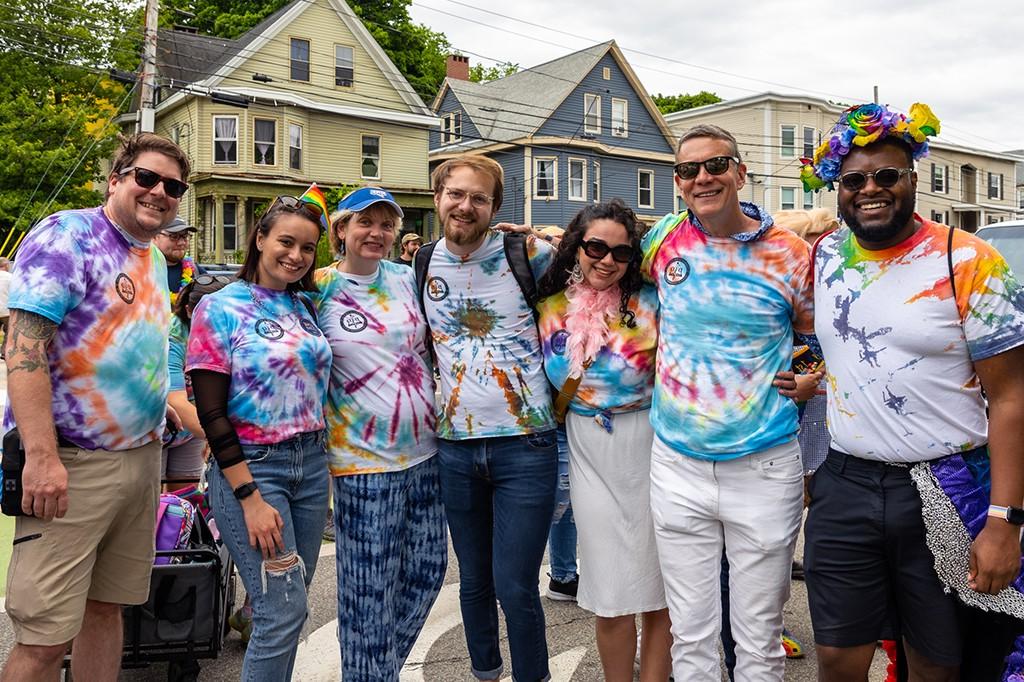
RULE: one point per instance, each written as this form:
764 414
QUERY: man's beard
464 237
881 233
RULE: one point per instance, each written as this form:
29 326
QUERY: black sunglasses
204 280
148 179
290 203
884 177
716 165
597 249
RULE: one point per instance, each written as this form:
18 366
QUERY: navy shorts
867 566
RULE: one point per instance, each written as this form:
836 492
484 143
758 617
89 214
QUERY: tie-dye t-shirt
729 308
108 360
278 360
901 380
485 338
621 378
380 403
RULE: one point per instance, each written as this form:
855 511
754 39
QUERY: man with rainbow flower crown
914 520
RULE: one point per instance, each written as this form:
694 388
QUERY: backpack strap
518 256
420 264
952 277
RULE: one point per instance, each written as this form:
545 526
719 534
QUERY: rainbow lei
861 125
188 273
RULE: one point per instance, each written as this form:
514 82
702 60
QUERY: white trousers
754 505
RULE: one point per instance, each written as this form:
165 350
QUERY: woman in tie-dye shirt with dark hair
598 324
389 522
259 367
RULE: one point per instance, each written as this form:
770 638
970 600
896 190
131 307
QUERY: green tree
478 73
669 103
56 104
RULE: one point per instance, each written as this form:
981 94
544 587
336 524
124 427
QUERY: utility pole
876 94
147 93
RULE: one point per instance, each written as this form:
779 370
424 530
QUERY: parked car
1008 238
230 269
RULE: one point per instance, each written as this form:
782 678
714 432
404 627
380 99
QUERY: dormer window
592 114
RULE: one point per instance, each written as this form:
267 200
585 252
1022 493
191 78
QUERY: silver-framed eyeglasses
477 199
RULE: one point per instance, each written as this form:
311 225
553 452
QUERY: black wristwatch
1012 515
245 490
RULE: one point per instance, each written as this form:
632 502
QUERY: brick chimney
458 67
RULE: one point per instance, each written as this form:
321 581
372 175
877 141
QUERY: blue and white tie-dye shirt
729 308
108 360
380 404
899 361
277 357
485 337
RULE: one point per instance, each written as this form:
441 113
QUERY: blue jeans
499 495
292 477
392 552
562 538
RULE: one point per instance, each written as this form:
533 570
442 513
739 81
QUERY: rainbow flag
315 196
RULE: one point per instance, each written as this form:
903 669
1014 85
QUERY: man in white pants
726 470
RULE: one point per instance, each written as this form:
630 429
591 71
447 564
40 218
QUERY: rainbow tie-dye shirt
108 360
729 308
621 378
277 357
901 379
485 338
380 404
177 344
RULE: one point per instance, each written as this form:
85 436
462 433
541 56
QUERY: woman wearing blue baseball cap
391 545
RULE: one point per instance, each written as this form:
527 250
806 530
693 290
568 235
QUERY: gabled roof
517 105
208 62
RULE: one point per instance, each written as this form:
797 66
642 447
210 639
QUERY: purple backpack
174 519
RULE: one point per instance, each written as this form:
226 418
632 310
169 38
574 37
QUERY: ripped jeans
292 477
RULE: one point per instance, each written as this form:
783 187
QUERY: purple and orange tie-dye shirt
485 337
729 307
899 353
380 403
277 357
621 378
108 361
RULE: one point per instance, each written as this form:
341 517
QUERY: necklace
258 301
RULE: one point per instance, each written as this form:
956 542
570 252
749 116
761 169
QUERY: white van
1008 238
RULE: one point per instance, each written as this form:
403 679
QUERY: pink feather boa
587 323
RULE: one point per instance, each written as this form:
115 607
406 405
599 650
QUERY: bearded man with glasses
914 521
173 243
87 376
725 469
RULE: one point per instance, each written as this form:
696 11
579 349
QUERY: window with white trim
645 189
940 179
300 59
808 200
344 66
595 192
788 145
225 139
295 146
620 117
229 214
545 177
995 185
370 165
809 145
264 141
591 113
577 180
787 198
451 127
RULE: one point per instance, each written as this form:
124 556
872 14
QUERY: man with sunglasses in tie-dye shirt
916 511
87 377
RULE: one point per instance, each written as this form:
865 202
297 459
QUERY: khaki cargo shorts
101 550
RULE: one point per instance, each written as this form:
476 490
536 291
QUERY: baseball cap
178 225
411 237
363 198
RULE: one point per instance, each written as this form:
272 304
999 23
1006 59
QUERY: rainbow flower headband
861 125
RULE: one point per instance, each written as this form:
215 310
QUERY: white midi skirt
610 488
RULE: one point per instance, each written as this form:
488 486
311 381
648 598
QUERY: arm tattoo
30 334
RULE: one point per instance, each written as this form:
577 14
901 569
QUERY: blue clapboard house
570 132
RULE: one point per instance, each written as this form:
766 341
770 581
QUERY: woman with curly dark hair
599 333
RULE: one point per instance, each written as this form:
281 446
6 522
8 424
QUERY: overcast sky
963 59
